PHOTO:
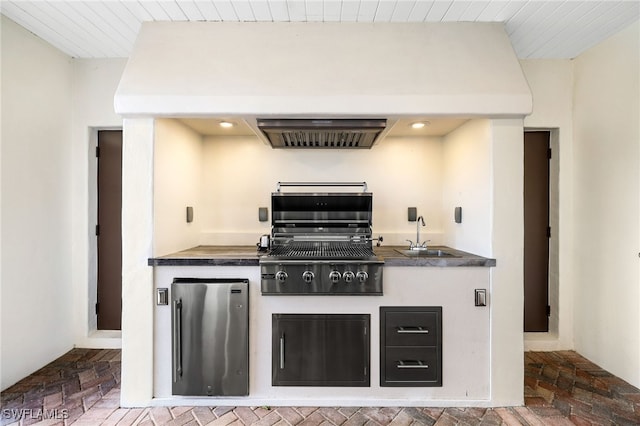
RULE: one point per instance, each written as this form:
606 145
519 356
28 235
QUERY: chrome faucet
418 245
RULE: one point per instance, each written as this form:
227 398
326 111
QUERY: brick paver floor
83 388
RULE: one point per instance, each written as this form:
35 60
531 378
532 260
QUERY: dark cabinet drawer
412 366
411 327
411 346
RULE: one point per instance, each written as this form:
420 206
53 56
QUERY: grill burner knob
362 276
307 276
348 276
334 276
281 276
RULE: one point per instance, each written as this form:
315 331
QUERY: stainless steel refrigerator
210 336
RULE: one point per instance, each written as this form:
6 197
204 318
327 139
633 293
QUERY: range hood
319 133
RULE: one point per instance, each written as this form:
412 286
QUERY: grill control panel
330 277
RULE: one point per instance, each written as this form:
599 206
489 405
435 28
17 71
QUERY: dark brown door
109 230
536 231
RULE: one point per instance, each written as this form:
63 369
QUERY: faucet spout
419 245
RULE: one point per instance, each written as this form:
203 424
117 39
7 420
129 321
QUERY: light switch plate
189 214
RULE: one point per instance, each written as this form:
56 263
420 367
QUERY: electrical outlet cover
458 214
263 214
412 214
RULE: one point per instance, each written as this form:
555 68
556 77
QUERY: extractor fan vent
317 133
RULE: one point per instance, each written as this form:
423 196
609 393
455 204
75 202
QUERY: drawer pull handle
412 330
282 352
411 364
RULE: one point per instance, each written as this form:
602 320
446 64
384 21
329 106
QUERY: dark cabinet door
320 350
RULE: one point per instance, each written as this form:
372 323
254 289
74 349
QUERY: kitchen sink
426 253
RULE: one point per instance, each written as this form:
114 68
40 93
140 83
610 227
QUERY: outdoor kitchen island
431 283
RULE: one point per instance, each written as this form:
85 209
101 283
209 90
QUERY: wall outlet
481 297
263 214
457 214
162 296
189 214
412 214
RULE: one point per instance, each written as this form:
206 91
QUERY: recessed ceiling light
419 124
226 124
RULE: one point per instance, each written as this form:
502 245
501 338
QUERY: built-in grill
321 243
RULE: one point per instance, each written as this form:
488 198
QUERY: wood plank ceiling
538 29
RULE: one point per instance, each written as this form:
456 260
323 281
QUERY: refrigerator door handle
177 339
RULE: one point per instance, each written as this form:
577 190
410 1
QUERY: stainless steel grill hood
322 133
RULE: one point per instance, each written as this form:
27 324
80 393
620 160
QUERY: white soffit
537 29
322 69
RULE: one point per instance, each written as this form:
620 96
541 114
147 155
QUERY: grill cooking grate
322 250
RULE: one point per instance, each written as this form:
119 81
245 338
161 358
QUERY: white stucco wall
507 239
94 84
37 292
137 277
483 173
348 68
240 173
606 188
551 83
466 164
178 183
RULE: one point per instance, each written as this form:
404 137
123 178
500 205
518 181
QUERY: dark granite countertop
460 258
210 256
249 256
